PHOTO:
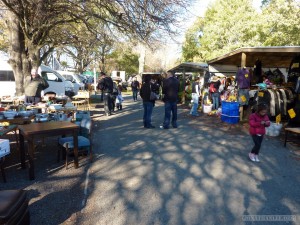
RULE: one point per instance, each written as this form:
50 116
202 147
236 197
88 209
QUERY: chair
14 207
84 140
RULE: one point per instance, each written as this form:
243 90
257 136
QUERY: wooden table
35 130
295 130
19 120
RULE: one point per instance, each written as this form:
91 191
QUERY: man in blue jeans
170 92
135 86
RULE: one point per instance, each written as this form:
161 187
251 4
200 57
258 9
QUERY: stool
14 208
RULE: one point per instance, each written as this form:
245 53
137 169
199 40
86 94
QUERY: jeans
257 143
148 108
32 99
194 110
107 103
215 99
170 107
135 94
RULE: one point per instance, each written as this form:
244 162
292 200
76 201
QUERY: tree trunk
18 60
21 57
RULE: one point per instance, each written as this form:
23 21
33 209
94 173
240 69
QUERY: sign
278 118
291 113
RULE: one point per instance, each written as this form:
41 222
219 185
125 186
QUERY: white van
74 78
57 84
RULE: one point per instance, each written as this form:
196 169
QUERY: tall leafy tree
228 24
33 24
280 23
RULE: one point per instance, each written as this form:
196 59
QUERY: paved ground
196 174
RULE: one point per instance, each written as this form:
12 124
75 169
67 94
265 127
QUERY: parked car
74 78
58 85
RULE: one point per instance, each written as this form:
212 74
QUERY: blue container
230 112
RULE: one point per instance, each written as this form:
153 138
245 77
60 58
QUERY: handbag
153 95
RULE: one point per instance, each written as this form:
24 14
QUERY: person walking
119 98
148 104
34 84
170 96
106 86
135 86
258 122
195 97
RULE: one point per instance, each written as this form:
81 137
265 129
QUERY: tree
191 45
228 25
280 23
33 24
232 24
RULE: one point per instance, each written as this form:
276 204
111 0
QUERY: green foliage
232 24
123 59
228 24
281 23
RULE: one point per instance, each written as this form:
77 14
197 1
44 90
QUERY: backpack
212 87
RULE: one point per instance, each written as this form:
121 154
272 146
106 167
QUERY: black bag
153 96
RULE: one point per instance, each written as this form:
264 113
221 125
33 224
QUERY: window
51 77
7 75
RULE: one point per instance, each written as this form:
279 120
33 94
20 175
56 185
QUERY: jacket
170 89
255 124
34 86
145 92
106 85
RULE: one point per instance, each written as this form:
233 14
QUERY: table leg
31 158
16 136
22 150
285 140
75 138
2 169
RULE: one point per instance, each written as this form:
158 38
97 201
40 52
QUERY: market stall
264 74
184 70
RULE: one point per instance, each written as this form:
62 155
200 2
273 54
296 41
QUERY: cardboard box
4 147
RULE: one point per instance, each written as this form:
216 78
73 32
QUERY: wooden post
183 84
243 64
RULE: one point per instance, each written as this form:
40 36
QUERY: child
258 122
119 98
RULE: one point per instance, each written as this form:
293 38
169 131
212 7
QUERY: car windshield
78 77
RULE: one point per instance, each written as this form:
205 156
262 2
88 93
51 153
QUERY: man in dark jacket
34 85
135 86
170 92
148 104
106 86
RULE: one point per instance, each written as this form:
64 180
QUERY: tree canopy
232 24
36 27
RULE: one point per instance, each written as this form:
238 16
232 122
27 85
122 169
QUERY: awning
190 67
277 56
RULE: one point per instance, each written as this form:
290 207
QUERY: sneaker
150 127
162 127
256 158
252 157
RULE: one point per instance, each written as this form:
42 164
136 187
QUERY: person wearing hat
34 84
106 86
214 91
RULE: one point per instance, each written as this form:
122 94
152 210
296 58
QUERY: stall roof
190 67
279 56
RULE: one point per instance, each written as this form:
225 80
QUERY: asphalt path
198 173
